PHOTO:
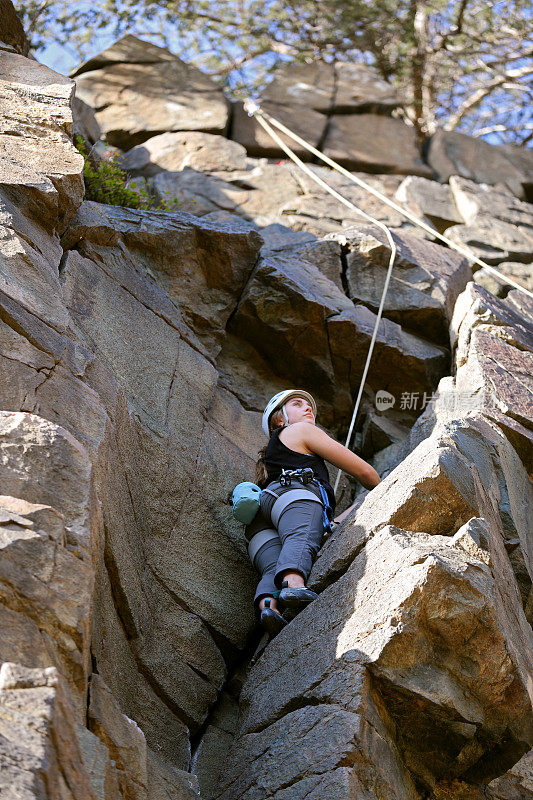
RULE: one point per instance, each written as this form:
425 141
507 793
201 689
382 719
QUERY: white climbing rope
249 105
264 119
262 116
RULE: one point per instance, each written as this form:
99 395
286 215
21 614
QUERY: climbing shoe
296 598
271 621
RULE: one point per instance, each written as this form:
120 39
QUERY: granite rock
519 273
123 738
424 285
139 90
11 31
190 260
374 144
40 170
451 153
356 629
430 201
198 151
85 123
359 88
39 749
493 240
305 122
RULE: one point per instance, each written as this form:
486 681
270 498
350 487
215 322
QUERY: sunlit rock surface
137 351
127 84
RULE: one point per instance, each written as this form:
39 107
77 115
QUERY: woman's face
298 409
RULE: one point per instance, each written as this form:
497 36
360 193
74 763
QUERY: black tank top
279 456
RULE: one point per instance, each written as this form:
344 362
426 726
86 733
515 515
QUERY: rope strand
264 119
259 113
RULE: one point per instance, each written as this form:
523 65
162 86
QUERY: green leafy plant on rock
107 183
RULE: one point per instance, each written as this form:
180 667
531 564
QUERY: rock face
341 88
430 201
368 650
85 123
519 273
189 260
39 747
172 152
35 147
302 96
374 144
99 368
12 36
451 153
302 120
498 226
476 203
494 354
145 73
426 283
123 738
359 89
137 351
306 85
517 783
287 297
316 211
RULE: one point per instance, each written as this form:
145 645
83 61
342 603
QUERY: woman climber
286 534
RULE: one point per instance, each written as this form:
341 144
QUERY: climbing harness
264 119
328 511
246 502
282 501
305 475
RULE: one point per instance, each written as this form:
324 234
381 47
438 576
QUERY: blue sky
63 58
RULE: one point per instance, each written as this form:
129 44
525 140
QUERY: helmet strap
285 415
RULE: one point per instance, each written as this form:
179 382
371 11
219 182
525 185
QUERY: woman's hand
356 504
344 514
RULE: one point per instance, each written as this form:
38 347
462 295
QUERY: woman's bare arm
318 442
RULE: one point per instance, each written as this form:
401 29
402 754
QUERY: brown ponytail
261 474
260 467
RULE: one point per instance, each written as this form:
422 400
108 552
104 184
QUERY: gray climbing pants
286 534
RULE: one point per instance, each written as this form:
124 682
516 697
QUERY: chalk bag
245 499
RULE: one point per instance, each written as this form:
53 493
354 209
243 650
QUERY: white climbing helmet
279 400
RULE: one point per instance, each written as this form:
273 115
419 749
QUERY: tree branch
455 30
480 94
37 14
239 62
